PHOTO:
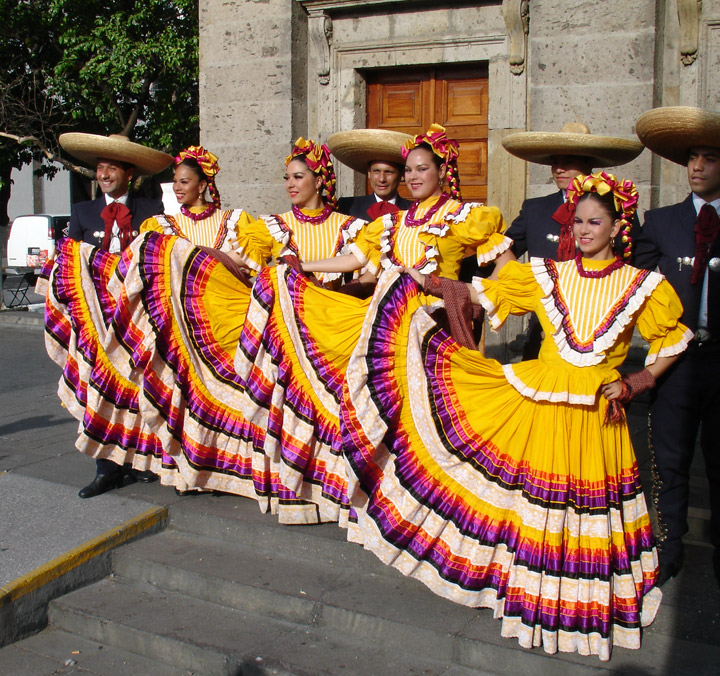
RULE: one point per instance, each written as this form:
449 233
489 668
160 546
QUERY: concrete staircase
226 590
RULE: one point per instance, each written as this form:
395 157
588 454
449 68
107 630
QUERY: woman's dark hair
193 165
436 158
607 201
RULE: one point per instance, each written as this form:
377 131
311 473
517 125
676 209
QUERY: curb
24 601
23 319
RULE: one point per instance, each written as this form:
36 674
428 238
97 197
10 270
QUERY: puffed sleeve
151 225
659 324
514 292
366 247
481 229
254 244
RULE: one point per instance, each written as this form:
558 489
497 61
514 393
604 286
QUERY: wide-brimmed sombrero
672 131
90 147
574 139
358 147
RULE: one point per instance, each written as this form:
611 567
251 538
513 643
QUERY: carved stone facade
272 70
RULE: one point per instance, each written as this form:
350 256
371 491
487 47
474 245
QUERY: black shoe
147 477
102 483
668 568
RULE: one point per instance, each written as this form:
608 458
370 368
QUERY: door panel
456 97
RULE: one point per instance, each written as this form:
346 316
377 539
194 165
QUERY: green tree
121 66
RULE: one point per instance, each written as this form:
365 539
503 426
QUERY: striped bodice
210 231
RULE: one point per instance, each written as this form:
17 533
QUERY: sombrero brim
671 131
541 147
89 148
356 148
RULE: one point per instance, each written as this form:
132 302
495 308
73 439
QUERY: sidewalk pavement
50 540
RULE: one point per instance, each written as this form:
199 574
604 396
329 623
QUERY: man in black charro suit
111 222
683 241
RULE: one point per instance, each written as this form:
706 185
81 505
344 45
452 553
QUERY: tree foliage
120 66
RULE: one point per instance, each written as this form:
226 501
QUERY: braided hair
619 198
205 166
444 150
317 158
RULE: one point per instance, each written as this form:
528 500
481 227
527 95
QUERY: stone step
310 576
214 640
53 652
377 606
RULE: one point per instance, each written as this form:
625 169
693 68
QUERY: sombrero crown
89 148
575 139
356 148
671 131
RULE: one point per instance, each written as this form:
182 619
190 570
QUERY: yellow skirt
533 509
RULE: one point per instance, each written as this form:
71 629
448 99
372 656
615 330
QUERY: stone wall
592 63
252 99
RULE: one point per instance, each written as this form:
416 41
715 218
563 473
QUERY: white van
32 238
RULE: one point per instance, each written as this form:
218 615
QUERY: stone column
252 95
591 63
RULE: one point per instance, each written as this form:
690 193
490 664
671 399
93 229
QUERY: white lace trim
492 254
490 308
387 221
604 342
538 395
671 350
461 214
431 253
230 235
164 224
350 230
365 264
277 232
439 229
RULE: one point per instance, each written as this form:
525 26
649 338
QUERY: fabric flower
445 148
205 159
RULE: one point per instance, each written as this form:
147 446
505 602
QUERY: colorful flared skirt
532 509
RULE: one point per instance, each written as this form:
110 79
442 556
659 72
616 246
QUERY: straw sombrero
574 139
672 131
90 147
358 147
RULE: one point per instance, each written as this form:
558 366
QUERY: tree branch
49 155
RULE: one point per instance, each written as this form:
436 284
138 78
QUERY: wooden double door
456 97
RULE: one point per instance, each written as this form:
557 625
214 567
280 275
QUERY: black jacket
358 206
87 225
669 234
529 231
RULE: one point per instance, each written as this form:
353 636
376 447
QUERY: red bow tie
707 227
381 208
565 215
117 212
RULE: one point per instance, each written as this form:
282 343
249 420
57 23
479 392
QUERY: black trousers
686 402
108 467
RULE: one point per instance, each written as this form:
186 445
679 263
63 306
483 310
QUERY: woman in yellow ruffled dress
178 324
298 338
112 426
516 487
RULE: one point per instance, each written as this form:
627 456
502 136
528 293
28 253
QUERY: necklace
410 219
207 211
322 216
615 265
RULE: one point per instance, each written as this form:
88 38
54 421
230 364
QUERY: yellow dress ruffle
554 376
455 231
